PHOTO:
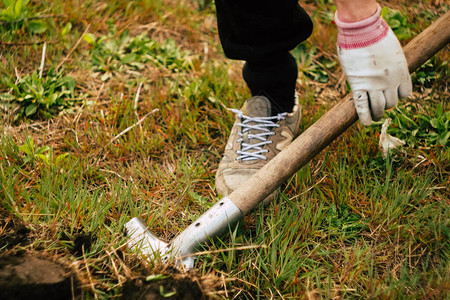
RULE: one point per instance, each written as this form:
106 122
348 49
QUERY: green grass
349 225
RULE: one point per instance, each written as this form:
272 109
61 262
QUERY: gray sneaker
256 137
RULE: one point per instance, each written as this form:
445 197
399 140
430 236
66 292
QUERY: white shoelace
264 125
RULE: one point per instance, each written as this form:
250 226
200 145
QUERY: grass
348 225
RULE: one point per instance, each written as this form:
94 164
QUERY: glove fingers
391 96
377 104
405 88
361 100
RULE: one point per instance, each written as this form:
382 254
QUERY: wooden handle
330 126
428 43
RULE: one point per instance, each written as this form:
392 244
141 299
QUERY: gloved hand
376 68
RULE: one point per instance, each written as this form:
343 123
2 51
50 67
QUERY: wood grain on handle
330 126
428 43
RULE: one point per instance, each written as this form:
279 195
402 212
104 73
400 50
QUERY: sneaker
256 137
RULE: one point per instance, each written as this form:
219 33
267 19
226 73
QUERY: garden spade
229 210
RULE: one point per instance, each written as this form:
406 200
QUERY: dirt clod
31 277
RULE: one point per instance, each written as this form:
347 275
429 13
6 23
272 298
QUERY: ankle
274 78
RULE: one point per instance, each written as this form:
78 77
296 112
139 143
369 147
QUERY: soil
173 287
12 232
26 274
29 274
31 277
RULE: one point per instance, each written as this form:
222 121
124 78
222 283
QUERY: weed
419 129
33 154
341 221
398 22
16 17
121 53
13 10
430 72
312 65
32 95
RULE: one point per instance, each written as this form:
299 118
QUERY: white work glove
376 68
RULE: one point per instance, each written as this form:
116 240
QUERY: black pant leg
262 33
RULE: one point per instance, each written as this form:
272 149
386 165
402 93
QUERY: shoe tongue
258 106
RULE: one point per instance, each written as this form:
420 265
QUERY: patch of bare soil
29 275
173 287
32 277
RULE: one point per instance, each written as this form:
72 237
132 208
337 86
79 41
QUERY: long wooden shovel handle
330 126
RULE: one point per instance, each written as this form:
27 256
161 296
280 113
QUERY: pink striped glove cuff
363 33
